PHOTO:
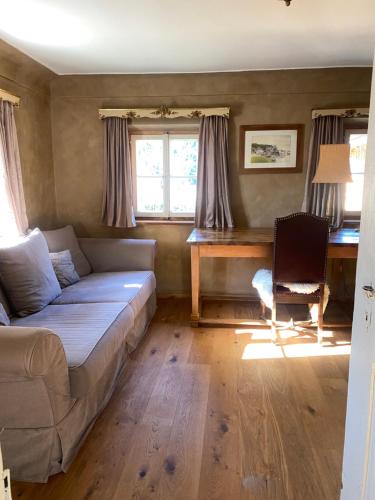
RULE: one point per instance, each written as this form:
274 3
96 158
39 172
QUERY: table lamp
333 168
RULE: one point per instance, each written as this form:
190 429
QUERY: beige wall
22 76
254 97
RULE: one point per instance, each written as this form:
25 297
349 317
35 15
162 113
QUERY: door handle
369 291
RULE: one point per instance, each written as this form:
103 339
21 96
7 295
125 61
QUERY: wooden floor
215 414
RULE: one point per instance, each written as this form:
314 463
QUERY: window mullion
133 160
166 176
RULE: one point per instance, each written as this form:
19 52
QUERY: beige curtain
11 159
213 201
324 199
117 209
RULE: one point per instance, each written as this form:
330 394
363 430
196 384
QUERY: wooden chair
299 256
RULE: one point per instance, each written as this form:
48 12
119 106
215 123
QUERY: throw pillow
4 301
65 238
4 320
64 268
27 275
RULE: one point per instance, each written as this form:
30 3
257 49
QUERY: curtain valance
163 112
5 96
343 113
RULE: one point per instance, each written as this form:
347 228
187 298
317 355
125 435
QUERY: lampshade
334 164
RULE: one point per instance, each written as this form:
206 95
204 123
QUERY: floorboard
216 413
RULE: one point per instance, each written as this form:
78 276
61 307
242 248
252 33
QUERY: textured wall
22 76
254 97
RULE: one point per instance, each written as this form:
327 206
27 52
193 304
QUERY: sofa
59 365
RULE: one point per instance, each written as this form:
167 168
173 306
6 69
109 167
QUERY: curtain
213 201
12 165
117 208
324 199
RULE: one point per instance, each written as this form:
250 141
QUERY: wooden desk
250 243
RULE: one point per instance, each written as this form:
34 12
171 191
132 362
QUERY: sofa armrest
34 379
110 254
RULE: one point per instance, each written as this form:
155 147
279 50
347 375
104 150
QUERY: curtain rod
5 96
163 112
345 113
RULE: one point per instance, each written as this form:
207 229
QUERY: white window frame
165 137
348 133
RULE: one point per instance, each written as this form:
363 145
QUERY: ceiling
163 36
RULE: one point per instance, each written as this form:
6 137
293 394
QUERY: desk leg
195 285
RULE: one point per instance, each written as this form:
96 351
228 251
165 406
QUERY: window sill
352 219
165 221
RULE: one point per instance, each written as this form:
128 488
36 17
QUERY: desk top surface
261 236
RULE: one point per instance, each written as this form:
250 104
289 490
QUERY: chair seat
285 296
262 282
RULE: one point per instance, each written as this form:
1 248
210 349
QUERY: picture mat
275 138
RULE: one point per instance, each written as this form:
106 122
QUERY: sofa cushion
4 318
91 334
27 275
64 268
134 287
65 239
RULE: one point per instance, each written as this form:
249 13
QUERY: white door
359 452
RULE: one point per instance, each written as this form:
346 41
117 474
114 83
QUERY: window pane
183 157
150 195
358 144
354 190
149 157
182 195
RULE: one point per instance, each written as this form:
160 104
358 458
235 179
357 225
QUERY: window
165 174
354 190
8 226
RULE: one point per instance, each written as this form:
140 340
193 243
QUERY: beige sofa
59 366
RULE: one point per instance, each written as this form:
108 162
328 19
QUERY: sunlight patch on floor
262 351
269 350
309 350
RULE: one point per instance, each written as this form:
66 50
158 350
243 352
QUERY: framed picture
271 149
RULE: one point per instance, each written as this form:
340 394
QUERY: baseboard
173 295
209 296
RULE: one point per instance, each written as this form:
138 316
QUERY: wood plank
303 477
141 472
264 472
182 465
221 461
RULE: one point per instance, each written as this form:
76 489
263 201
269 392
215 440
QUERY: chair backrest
300 249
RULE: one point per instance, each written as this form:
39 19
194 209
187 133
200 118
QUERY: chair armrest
34 379
110 254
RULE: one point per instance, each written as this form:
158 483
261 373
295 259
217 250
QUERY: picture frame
271 149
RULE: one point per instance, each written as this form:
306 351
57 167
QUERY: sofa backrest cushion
65 239
27 275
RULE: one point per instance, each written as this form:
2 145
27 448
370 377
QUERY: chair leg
262 310
273 322
320 315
